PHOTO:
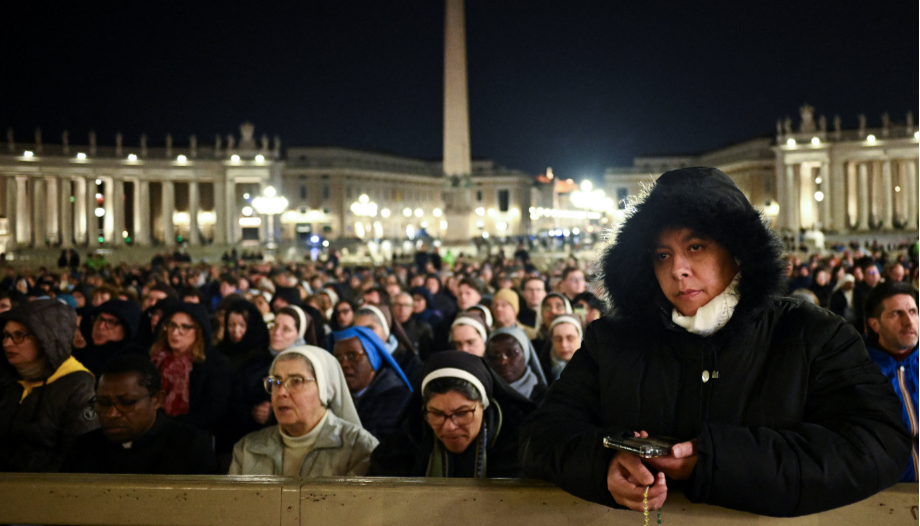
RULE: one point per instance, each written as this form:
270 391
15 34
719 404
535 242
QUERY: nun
511 355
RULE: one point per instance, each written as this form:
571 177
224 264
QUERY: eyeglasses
403 304
17 336
464 417
108 323
293 384
103 405
350 357
182 328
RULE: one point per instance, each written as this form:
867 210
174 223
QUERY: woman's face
691 269
181 331
506 357
262 304
355 364
296 412
23 353
236 327
455 437
283 333
345 315
419 304
552 307
371 322
467 339
565 341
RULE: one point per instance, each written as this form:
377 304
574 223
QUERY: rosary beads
645 507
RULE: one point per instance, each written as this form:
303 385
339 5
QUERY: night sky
578 86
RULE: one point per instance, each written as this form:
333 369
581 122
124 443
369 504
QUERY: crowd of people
432 368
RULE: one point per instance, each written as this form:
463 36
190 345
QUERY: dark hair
593 301
148 376
230 279
568 270
292 313
525 281
883 291
474 284
191 291
448 384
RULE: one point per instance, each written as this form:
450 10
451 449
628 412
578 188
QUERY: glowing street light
271 205
364 207
407 212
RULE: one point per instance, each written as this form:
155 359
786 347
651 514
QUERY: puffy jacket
798 419
38 427
341 449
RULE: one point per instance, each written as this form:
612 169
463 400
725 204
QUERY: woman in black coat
776 405
462 423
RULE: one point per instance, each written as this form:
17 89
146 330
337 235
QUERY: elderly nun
318 434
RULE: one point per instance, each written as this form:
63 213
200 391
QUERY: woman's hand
261 412
627 480
680 463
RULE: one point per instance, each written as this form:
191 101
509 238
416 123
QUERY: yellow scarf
70 365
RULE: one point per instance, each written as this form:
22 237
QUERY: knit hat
511 297
461 365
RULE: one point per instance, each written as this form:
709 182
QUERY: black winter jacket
797 420
381 403
37 432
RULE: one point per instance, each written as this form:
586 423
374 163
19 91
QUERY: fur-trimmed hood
708 202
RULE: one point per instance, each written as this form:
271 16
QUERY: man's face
402 307
126 410
872 276
468 297
5 304
573 284
226 289
433 286
534 292
896 273
506 357
372 297
503 313
897 325
107 328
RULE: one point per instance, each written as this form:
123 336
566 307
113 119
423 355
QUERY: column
65 206
79 210
887 203
92 222
12 209
141 213
193 238
108 203
789 203
118 211
863 188
806 190
910 168
827 222
52 225
168 207
233 214
838 186
23 212
220 213
38 212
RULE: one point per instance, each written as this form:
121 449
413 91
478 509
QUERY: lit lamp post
270 204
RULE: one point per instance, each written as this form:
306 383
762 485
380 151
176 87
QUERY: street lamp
270 204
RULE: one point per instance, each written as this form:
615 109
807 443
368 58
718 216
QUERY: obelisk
457 164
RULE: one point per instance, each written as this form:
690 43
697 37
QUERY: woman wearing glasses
464 423
196 379
318 434
44 391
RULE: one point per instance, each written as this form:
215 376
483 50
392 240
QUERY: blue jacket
903 376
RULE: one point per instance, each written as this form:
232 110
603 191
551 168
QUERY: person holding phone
775 405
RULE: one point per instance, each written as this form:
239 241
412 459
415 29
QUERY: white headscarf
472 322
379 313
330 381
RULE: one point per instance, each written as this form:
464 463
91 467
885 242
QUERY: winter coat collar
267 442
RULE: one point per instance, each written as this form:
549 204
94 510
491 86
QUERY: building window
478 196
622 197
504 196
303 192
326 192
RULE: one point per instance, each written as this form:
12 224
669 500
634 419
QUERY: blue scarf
376 350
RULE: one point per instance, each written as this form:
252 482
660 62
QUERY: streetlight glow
819 196
132 157
28 153
182 158
385 213
815 141
418 212
260 158
870 138
407 212
436 212
81 156
235 158
790 142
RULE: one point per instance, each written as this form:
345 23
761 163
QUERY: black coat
209 386
168 448
798 419
406 452
380 404
247 392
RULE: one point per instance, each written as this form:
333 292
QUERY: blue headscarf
376 350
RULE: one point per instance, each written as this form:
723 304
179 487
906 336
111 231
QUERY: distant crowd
318 369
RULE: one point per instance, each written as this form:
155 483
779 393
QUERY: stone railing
167 500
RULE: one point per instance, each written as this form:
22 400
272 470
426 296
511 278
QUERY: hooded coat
96 357
38 427
798 419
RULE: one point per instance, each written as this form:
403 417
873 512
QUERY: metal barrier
167 500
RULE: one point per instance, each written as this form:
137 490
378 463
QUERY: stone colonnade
848 195
62 211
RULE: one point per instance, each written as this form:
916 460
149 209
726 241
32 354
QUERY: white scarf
714 315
